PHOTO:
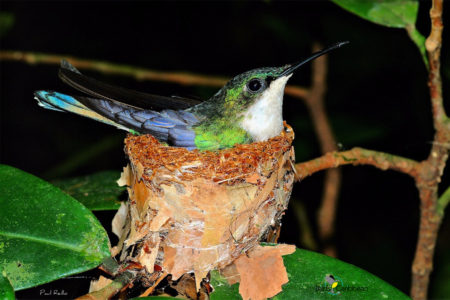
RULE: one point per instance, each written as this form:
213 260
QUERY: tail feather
47 105
61 102
170 126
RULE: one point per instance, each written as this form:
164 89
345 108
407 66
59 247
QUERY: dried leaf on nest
118 222
185 286
124 179
205 208
148 253
231 274
253 178
97 285
262 272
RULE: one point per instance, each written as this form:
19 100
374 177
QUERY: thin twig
182 78
111 289
355 157
306 232
431 211
316 107
152 288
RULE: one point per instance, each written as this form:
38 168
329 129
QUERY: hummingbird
246 109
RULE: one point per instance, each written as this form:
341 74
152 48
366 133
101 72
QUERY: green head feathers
247 109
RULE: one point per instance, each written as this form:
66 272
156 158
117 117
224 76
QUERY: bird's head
264 83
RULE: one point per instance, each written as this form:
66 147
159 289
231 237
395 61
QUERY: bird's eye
255 85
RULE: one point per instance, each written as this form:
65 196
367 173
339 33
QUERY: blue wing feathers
186 144
144 115
181 133
188 117
151 126
170 126
124 118
174 116
110 106
162 122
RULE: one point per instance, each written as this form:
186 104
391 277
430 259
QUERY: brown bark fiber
195 211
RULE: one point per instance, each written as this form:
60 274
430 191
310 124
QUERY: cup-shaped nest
195 211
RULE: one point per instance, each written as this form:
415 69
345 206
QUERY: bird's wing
173 126
70 75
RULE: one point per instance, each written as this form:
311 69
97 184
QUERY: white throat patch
264 118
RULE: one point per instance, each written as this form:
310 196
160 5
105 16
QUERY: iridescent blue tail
62 102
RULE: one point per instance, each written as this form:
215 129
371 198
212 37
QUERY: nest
195 211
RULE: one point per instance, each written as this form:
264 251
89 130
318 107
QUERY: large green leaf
44 233
97 191
419 40
391 13
307 271
6 289
222 290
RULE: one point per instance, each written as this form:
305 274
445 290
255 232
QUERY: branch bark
182 78
358 156
431 211
111 289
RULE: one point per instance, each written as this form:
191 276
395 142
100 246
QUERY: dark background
377 98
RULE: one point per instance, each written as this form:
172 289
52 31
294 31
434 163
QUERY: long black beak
294 67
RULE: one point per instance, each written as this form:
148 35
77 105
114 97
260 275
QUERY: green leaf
443 201
6 22
6 289
97 191
222 290
44 233
307 272
391 13
419 40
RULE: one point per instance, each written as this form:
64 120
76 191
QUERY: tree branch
431 211
182 78
316 106
356 157
111 289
